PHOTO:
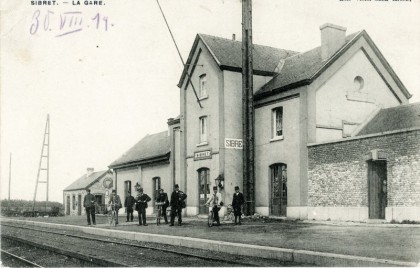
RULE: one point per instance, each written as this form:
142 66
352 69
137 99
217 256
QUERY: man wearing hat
89 204
237 203
215 201
177 204
141 205
128 204
115 201
162 200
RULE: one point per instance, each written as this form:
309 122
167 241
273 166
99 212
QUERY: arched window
278 189
203 188
127 187
202 91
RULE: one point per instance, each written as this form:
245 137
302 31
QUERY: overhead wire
180 56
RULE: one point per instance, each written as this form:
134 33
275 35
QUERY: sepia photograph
210 133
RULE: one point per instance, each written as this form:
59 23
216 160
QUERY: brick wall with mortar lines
338 171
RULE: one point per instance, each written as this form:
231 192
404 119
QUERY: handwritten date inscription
67 22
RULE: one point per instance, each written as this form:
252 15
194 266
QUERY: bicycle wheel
158 217
210 219
114 218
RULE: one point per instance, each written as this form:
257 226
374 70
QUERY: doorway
377 189
278 189
204 189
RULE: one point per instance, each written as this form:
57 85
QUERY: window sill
277 138
202 144
203 97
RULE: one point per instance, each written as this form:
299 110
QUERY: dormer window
202 86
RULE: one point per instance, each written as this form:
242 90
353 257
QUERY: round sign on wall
108 182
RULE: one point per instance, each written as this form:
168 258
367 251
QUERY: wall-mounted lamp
220 181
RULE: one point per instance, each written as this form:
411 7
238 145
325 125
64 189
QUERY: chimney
89 172
233 37
333 37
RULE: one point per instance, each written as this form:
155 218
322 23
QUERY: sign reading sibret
202 155
234 144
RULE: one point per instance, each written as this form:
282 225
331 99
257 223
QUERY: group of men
215 201
177 203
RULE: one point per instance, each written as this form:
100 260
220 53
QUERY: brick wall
338 171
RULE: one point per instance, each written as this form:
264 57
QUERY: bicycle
158 212
112 215
210 218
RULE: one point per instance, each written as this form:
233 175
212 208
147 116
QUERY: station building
312 115
99 182
152 163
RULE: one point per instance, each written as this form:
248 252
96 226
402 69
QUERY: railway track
114 252
22 260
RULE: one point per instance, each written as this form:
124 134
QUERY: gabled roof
228 55
84 182
151 148
301 68
298 68
394 118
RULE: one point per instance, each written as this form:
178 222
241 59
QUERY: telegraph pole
248 108
10 179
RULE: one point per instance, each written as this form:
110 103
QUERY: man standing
128 204
162 200
115 201
177 204
215 201
237 203
141 205
89 204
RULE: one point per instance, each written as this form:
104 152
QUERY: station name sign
202 155
234 144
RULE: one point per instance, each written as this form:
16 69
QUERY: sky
110 78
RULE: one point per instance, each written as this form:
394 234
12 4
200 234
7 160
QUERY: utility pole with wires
45 155
179 53
248 108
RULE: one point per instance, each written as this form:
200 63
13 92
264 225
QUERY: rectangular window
202 86
74 202
278 122
203 129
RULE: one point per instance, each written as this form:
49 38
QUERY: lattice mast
45 155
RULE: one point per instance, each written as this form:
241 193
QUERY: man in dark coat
162 200
177 204
115 201
128 204
237 203
89 204
141 205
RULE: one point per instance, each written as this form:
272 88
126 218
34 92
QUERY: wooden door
278 189
377 189
204 189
